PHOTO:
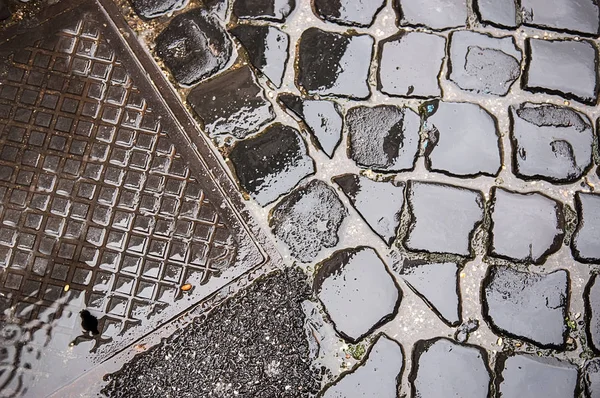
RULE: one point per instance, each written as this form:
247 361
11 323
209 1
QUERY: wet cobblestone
450 146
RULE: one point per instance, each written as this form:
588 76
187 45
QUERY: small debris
186 287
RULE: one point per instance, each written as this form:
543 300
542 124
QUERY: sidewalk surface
296 198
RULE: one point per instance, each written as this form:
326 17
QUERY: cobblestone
581 16
357 291
562 67
377 375
271 163
383 138
444 368
267 49
434 14
384 216
337 64
322 118
462 140
308 219
231 103
526 305
482 63
194 46
526 227
592 302
497 12
550 142
585 242
443 218
591 378
270 10
414 76
349 12
437 285
529 376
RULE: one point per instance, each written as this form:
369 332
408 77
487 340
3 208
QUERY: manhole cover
105 205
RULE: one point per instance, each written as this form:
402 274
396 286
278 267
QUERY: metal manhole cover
104 204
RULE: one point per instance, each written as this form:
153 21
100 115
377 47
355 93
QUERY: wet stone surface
462 140
415 75
264 326
531 376
562 67
526 227
349 12
551 142
357 291
437 285
271 10
580 16
156 8
591 378
336 64
378 375
308 219
267 48
231 103
322 118
271 163
497 12
482 63
592 303
194 46
526 305
434 14
383 138
585 242
378 202
443 368
443 217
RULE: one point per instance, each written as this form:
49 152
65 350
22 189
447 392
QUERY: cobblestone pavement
430 165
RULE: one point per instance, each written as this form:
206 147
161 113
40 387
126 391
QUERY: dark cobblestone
551 142
562 67
497 12
231 103
383 138
5 12
194 46
443 368
271 163
378 375
437 285
337 64
443 217
434 14
348 12
532 376
271 10
585 242
462 140
483 63
581 16
156 8
414 76
357 291
323 120
591 378
383 216
308 219
592 305
525 226
267 49
526 305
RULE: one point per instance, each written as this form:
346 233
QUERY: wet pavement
299 198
